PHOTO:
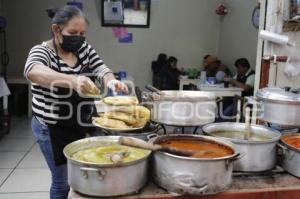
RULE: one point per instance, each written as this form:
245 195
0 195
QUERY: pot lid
278 94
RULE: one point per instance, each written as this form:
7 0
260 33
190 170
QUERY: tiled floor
23 170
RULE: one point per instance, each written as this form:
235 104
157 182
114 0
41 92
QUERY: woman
57 70
171 75
212 65
157 67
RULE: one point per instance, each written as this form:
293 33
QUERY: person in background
157 67
209 65
171 75
204 60
244 78
59 71
212 65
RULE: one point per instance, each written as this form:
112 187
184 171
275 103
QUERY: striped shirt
45 99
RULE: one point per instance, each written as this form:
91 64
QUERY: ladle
156 147
247 134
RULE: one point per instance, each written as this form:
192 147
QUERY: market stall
251 168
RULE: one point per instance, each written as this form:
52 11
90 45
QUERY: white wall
186 29
238 38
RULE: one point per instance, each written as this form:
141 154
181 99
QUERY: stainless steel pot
104 179
183 108
150 131
279 106
290 158
258 155
194 176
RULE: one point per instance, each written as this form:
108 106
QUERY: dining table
219 90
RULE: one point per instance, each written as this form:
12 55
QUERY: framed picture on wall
126 13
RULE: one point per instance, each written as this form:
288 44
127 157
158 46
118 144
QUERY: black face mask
72 43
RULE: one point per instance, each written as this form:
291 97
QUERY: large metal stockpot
183 108
279 106
193 176
104 179
290 157
258 155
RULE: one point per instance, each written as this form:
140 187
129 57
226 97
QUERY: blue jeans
59 186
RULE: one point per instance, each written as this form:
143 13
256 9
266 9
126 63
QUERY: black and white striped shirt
45 98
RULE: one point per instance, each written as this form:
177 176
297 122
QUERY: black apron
243 79
69 130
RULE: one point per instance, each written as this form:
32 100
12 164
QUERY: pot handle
290 154
284 148
233 158
152 135
147 97
281 149
100 172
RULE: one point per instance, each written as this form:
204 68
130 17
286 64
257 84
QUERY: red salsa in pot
203 149
293 140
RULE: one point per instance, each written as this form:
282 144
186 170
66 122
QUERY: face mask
72 43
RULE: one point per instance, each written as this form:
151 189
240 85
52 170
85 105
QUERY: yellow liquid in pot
102 154
239 135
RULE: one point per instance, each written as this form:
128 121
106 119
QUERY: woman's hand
83 85
117 86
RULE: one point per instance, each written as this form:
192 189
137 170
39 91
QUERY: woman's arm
48 77
38 69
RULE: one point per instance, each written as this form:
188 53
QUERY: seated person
205 60
171 75
157 67
212 65
244 78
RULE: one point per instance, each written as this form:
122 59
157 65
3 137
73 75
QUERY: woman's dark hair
242 62
172 60
63 15
206 56
161 58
